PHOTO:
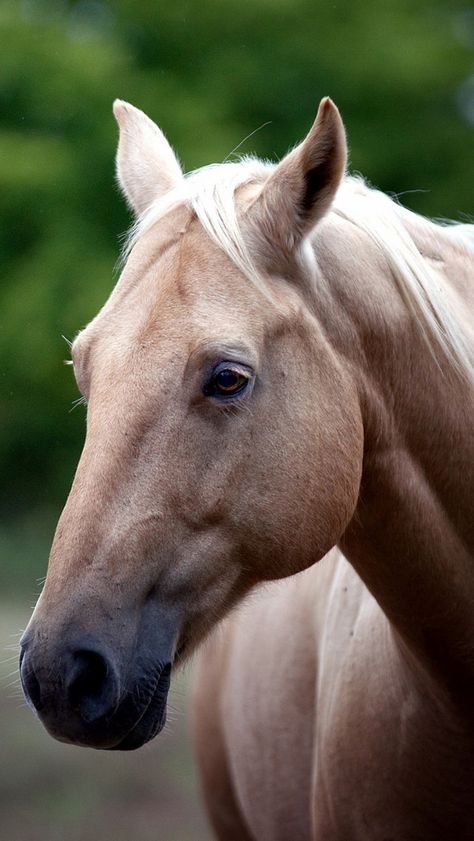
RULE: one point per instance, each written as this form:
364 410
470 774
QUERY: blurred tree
210 74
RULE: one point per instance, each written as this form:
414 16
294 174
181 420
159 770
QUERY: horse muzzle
91 693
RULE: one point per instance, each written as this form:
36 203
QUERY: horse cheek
305 485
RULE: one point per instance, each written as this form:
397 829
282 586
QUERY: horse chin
151 721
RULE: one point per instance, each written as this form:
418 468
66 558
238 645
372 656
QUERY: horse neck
412 535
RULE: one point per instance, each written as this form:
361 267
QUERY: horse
277 470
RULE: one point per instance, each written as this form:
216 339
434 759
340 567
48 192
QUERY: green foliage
210 73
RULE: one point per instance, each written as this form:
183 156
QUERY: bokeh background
210 72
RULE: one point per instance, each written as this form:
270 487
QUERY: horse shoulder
254 700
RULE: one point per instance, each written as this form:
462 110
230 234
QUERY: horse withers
285 366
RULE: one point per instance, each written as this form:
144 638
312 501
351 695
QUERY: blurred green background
210 73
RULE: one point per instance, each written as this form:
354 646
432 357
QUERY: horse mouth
152 718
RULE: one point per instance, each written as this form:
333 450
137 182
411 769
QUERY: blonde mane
210 192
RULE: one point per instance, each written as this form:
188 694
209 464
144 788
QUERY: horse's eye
226 381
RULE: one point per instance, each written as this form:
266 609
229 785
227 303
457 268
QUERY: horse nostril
91 685
87 677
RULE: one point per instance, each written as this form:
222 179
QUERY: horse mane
210 192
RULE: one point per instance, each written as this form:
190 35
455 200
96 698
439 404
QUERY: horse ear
147 167
301 188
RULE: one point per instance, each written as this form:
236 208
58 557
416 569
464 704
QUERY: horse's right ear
147 167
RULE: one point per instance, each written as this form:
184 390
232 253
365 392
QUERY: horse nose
91 685
86 683
29 682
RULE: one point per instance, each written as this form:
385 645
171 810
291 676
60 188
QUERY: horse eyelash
81 401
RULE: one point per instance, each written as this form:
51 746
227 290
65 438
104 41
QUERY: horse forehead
204 273
155 258
178 289
184 284
175 261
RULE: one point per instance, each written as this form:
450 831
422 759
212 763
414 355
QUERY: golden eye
229 380
226 382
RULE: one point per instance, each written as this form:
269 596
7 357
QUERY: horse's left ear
301 188
147 167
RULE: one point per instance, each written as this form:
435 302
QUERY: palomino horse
285 366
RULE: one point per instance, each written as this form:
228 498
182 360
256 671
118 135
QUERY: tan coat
285 366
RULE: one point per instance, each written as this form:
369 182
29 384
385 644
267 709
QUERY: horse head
224 435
